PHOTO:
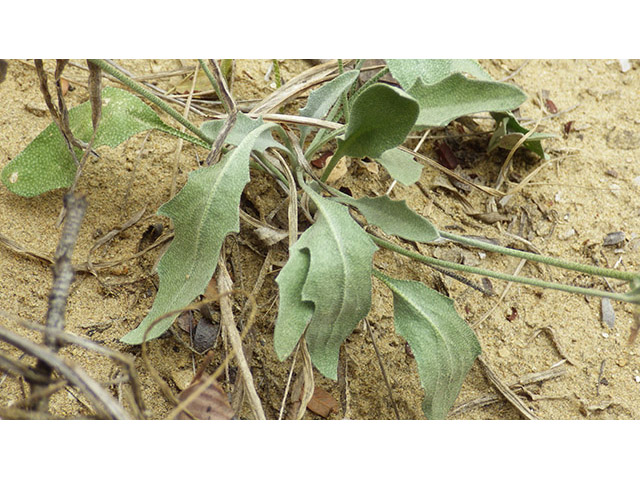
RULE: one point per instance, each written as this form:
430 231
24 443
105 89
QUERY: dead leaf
212 404
322 403
321 161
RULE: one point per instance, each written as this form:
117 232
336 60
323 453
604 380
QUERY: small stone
567 234
613 238
637 378
622 362
605 334
608 316
625 65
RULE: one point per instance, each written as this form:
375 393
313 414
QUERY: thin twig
176 161
504 293
219 83
531 378
101 399
227 321
506 392
382 369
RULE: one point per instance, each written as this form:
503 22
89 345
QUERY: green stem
345 100
151 97
502 276
555 262
211 78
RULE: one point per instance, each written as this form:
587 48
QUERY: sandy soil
587 189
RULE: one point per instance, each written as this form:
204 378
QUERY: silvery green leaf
203 213
442 343
337 256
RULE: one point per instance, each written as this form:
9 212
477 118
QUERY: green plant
376 119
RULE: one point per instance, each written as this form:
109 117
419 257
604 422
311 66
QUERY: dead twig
127 361
102 401
63 275
505 391
519 384
229 105
227 322
185 114
382 369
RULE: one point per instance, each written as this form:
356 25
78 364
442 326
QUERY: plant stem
151 97
212 80
555 262
502 276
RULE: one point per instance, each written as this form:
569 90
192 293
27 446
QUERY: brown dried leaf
322 403
212 404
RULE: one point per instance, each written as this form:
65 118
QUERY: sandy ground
587 189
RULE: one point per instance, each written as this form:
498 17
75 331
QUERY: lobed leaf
381 117
443 344
46 163
203 213
457 95
325 287
394 217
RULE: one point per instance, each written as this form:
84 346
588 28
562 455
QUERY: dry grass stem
228 323
185 114
506 392
504 293
519 384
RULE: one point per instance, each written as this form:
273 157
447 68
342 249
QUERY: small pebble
605 334
608 316
637 378
625 65
567 234
613 238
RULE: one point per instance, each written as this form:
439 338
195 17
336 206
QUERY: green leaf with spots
442 343
46 163
457 95
325 287
203 213
381 117
401 166
394 217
